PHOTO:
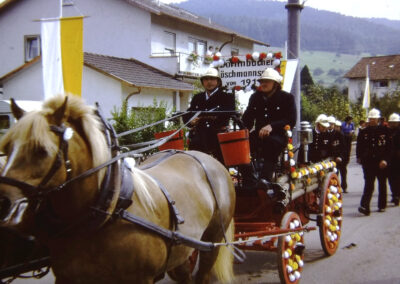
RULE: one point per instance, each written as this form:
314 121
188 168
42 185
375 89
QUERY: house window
68 2
198 46
32 47
170 42
234 51
4 121
382 83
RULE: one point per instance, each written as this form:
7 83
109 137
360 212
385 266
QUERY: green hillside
328 68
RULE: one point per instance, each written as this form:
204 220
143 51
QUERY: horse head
44 150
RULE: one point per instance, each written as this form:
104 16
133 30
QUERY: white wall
25 85
97 87
357 87
112 27
17 20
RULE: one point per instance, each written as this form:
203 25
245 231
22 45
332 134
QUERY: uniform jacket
320 148
374 144
278 110
219 101
203 136
336 144
395 161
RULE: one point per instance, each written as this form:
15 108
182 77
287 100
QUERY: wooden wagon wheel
291 250
192 264
330 220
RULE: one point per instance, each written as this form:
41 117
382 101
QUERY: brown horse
44 193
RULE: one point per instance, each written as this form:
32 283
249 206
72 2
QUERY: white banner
243 74
51 59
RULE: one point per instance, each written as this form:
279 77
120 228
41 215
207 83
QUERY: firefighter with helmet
394 166
269 110
373 152
204 128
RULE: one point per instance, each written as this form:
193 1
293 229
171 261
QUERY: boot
267 170
249 176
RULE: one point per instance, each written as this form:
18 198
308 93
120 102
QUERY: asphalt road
369 250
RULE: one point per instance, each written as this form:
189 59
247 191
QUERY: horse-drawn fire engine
270 219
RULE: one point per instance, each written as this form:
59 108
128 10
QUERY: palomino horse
47 189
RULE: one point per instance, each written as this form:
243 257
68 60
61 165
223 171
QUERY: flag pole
367 82
61 8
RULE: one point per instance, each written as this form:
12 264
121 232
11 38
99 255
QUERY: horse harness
117 179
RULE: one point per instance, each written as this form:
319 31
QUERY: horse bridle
40 191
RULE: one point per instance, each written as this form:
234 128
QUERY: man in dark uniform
338 152
394 165
319 149
269 110
373 153
204 129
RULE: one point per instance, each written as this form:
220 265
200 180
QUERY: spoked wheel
330 220
192 264
291 250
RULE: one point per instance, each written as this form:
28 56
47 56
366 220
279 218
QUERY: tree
316 99
305 77
387 104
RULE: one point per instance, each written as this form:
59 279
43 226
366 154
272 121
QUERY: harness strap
168 153
176 237
178 218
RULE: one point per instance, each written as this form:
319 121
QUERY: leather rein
99 212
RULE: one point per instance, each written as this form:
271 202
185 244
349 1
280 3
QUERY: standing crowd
377 151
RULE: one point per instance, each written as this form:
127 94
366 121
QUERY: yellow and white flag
62 56
367 96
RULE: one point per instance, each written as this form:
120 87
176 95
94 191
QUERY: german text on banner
62 56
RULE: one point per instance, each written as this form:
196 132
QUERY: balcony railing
181 63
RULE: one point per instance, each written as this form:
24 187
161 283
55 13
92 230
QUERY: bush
127 119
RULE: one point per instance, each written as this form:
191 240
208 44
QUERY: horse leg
181 274
206 263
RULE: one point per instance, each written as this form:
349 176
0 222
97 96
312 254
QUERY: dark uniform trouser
346 158
371 172
272 146
394 183
206 140
342 167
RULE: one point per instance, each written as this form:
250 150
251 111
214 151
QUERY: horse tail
223 267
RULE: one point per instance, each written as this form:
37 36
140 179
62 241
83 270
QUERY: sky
389 9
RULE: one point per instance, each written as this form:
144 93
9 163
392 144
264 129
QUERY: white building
148 33
384 76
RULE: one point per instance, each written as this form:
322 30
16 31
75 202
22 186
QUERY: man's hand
338 160
195 121
382 164
265 131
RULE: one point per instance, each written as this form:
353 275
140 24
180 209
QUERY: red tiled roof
380 68
134 72
130 71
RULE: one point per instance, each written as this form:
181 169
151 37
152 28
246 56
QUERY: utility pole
294 8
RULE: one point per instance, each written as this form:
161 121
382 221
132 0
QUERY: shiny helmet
331 119
211 73
322 119
271 74
374 113
394 117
